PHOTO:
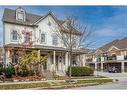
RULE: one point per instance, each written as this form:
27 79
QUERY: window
43 39
14 35
27 37
54 40
74 43
20 16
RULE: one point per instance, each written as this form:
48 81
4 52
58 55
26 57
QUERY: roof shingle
120 44
9 16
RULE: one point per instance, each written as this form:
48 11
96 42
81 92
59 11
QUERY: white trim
41 32
11 38
54 34
113 47
98 50
49 13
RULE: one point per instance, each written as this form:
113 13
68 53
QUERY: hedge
80 71
9 71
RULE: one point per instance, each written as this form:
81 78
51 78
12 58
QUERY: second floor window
43 38
27 37
14 35
54 40
74 43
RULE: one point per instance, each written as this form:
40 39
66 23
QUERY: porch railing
107 58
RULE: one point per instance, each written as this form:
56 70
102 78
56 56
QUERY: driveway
120 76
121 84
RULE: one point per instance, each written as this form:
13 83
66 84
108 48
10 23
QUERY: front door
44 64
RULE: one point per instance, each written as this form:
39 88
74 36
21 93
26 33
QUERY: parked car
113 70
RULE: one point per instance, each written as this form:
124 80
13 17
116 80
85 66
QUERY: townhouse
34 32
109 56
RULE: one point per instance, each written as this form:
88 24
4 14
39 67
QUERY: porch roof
41 47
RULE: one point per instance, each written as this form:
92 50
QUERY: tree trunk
70 54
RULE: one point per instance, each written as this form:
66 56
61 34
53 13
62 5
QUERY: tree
32 62
28 61
73 35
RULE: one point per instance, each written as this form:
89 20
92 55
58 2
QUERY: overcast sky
108 22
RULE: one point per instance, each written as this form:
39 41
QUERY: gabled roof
9 16
54 17
108 45
120 44
31 19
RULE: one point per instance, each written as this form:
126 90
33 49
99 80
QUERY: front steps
48 75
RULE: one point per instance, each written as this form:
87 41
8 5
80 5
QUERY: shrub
80 71
9 71
2 70
23 73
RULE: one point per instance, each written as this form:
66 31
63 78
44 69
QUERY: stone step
48 75
60 73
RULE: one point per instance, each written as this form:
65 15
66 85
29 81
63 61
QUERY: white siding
49 30
8 29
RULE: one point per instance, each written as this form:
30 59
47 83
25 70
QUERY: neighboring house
26 30
111 55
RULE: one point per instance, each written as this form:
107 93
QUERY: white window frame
25 37
54 35
12 40
45 38
18 14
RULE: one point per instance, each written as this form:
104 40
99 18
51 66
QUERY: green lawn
95 81
24 85
52 84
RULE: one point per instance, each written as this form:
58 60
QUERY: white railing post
122 66
96 69
54 60
102 66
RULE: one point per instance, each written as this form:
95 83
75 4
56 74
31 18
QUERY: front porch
57 58
120 67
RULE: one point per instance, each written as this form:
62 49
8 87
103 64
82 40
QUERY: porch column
83 60
79 58
49 62
102 66
96 69
122 67
7 57
4 57
95 66
38 55
54 61
66 61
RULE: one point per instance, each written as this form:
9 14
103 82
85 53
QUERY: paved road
119 85
122 84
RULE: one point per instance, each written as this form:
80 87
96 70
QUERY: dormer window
20 14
